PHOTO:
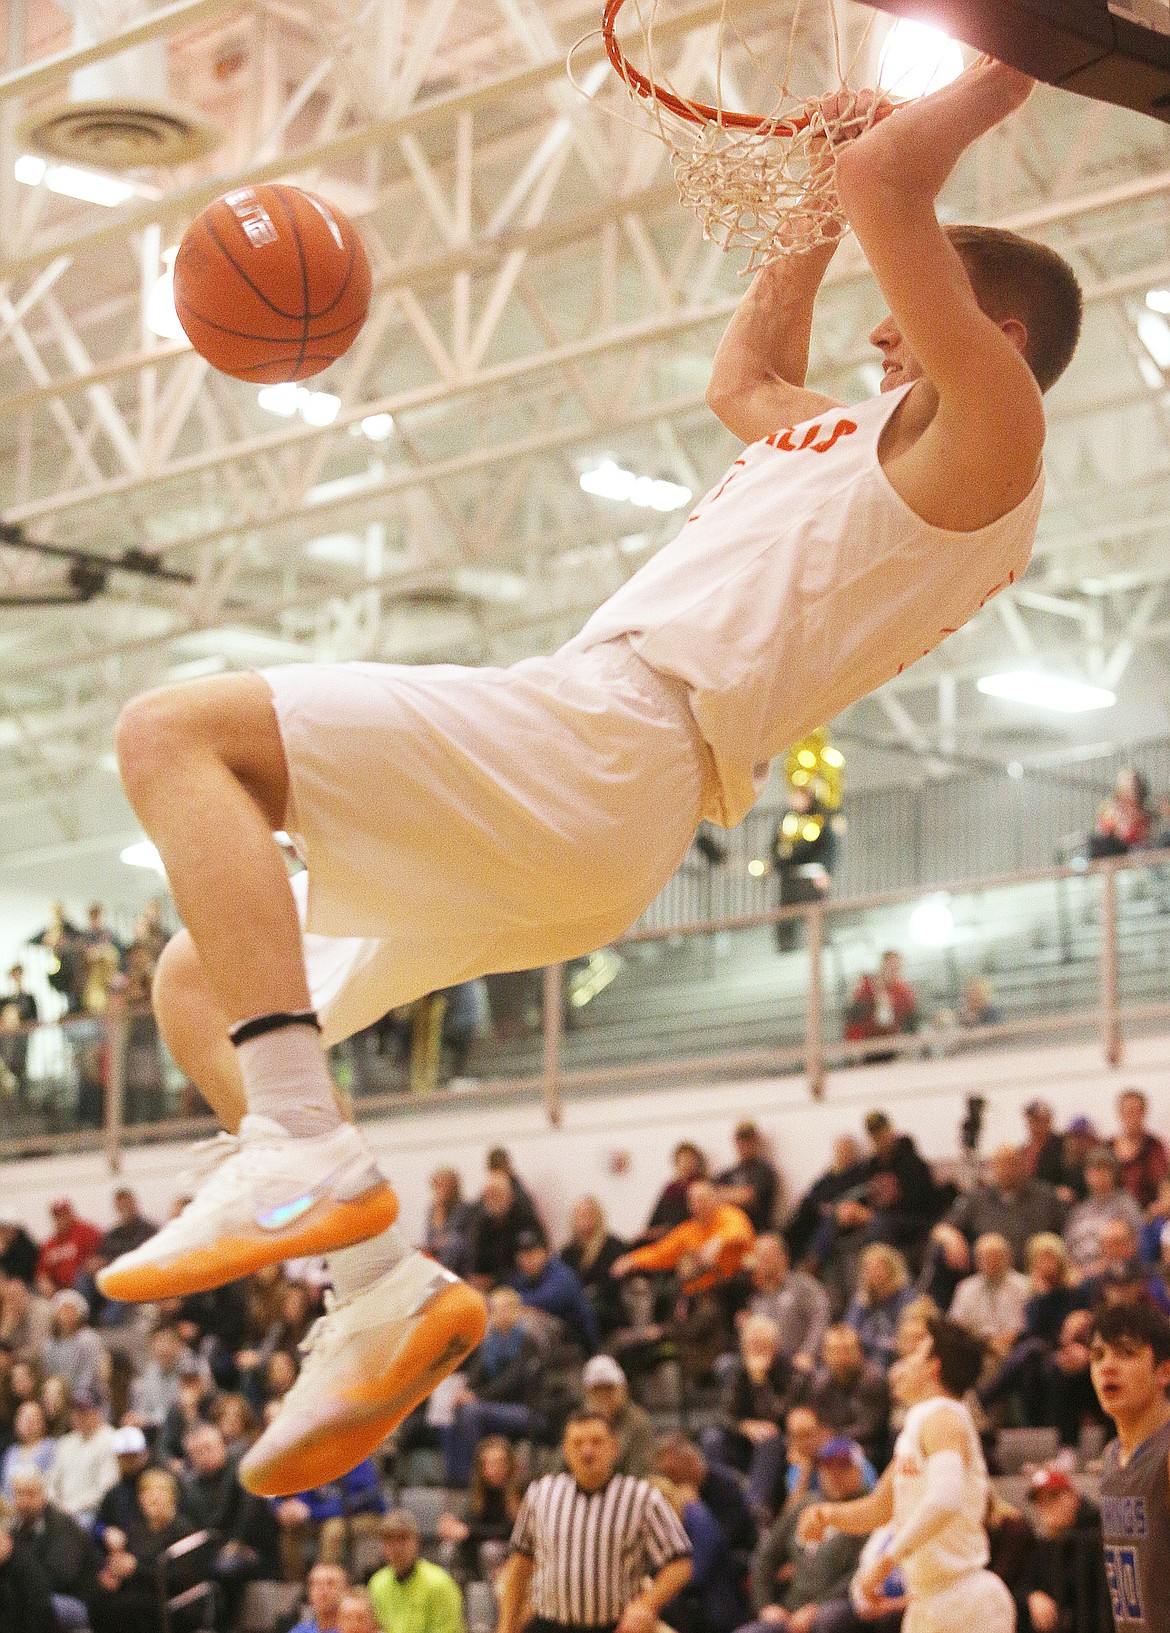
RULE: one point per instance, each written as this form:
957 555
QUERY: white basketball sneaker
268 1197
367 1363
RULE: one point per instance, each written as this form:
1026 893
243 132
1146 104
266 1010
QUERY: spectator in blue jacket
713 1600
546 1283
328 1516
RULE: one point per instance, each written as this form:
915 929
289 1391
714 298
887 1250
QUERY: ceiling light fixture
917 59
1158 300
314 407
142 854
161 317
932 924
1055 692
88 185
1155 337
609 480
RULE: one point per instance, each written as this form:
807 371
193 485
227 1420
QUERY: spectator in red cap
1064 1586
69 1249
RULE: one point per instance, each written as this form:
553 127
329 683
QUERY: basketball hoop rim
695 113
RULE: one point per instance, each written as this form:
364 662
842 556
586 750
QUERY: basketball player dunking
1129 1352
935 1492
458 821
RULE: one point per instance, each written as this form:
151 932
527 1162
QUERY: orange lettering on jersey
783 439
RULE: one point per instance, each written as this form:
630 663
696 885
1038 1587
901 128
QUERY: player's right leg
388 1339
205 770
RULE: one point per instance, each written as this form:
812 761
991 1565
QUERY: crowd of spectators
735 1350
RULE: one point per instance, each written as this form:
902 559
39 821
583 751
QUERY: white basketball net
764 184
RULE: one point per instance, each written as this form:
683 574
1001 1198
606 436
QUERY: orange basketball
271 284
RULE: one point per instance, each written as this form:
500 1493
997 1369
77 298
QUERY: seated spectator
120 1510
214 1500
796 1302
233 1416
64 1550
325 1588
1142 1158
477 1544
883 1292
409 1591
1106 1201
497 1221
72 1248
57 1405
125 1597
1064 1587
1023 1375
977 1006
26 1320
85 1463
32 1445
155 1390
74 1352
670 1210
1009 1204
498 1160
324 1521
1070 1402
448 1226
1158 1217
356 1613
1118 1261
901 1198
592 1251
757 1393
1126 820
707 1248
883 1005
546 1283
194 1404
130 1230
18 1252
607 1393
501 1387
1043 1150
681 1462
752 1182
849 1394
844 1179
25 1602
790 1580
992 1302
1080 1138
713 1600
948 1261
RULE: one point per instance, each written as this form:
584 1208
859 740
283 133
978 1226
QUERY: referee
585 1543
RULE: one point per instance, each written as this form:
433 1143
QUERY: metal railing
1079 952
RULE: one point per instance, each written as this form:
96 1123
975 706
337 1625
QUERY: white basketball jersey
800 583
960 1547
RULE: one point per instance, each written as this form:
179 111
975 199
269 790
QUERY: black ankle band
261 1024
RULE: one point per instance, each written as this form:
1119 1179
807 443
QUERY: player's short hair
1139 1322
1016 277
960 1354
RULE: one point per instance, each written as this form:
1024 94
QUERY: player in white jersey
459 821
934 1493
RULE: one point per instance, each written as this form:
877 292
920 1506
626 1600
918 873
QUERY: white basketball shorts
455 822
978 1601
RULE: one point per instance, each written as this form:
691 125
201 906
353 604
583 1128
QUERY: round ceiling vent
119 133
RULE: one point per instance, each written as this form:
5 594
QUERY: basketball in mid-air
271 284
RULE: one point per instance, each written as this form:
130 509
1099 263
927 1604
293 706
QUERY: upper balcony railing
1069 953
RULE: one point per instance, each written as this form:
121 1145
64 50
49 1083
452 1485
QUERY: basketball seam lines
296 232
293 317
265 340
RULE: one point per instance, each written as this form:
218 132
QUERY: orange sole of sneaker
323 1230
366 1413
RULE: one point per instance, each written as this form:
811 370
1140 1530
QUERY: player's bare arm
967 451
757 378
857 1518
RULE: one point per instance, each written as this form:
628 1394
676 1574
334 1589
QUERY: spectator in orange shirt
68 1251
705 1249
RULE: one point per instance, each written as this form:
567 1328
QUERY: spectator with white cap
119 1510
85 1464
607 1393
75 1353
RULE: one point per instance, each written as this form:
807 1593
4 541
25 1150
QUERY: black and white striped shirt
591 1549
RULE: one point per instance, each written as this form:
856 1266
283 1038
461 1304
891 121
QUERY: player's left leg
399 1322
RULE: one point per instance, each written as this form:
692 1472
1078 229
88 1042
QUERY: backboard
1112 50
